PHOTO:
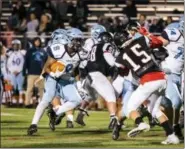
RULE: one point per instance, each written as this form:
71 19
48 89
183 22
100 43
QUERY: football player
59 33
137 56
173 66
15 62
101 59
90 93
66 51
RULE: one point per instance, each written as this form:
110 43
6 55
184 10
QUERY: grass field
14 124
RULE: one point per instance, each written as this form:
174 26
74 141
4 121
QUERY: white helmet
96 30
16 41
61 40
75 33
58 33
77 39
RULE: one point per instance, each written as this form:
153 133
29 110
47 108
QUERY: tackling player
137 55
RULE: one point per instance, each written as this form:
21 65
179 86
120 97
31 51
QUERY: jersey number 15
136 49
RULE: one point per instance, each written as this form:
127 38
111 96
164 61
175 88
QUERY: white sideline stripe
9 114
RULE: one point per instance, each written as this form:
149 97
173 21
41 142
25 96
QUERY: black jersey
96 60
138 57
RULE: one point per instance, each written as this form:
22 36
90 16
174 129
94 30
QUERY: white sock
20 100
14 101
70 117
4 98
66 107
39 112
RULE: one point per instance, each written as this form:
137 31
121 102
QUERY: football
60 66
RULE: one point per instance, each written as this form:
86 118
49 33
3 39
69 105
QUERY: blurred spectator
130 10
15 62
32 25
71 8
34 61
143 21
49 7
157 26
81 10
13 20
62 8
176 11
44 26
20 9
7 36
21 12
80 16
153 27
102 20
119 24
168 21
35 7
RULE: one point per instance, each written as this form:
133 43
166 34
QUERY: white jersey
15 61
59 52
174 63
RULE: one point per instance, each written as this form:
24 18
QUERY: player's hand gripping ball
57 69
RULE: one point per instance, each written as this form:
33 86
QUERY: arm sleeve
109 58
107 53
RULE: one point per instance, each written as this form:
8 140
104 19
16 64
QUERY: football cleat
59 118
32 129
178 132
69 124
52 117
116 131
142 127
80 118
113 122
171 139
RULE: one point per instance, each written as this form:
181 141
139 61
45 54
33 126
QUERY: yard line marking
9 114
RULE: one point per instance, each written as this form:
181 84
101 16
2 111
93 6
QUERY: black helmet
120 38
105 37
133 26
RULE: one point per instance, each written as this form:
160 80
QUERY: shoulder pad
173 34
56 51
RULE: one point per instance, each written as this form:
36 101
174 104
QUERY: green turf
14 124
